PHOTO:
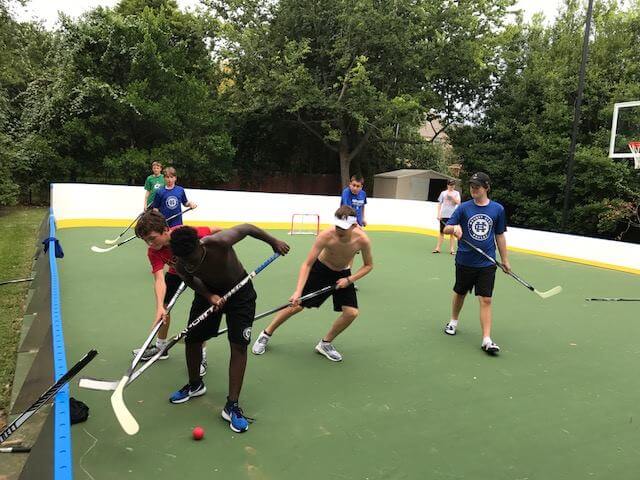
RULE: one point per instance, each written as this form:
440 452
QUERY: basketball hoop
635 149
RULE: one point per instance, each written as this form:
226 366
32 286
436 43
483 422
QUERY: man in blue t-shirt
168 199
355 197
481 222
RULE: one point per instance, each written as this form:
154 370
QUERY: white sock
453 323
486 340
160 342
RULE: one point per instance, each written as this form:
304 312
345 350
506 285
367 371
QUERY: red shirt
164 256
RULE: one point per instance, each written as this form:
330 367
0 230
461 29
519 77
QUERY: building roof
408 172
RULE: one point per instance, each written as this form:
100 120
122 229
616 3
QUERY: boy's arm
344 198
160 289
501 242
233 235
146 199
186 202
367 266
453 225
364 220
305 268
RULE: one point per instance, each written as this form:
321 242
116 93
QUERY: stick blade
102 250
111 242
96 384
126 420
550 293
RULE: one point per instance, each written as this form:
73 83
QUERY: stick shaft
46 396
204 315
19 280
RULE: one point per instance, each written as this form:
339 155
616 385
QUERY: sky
47 10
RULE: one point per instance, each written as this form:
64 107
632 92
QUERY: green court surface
407 402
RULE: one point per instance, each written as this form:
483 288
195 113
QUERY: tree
349 72
128 86
523 139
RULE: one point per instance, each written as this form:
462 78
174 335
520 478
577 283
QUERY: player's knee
238 348
350 313
485 301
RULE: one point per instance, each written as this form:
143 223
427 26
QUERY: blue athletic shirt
479 225
169 203
357 202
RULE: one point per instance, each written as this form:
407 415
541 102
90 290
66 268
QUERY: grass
18 228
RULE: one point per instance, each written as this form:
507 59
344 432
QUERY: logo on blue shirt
480 226
172 202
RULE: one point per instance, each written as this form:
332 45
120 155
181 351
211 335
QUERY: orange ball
198 433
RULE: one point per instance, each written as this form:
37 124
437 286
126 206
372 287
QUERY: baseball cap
481 179
344 223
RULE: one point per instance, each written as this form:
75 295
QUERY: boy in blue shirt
482 222
355 197
168 199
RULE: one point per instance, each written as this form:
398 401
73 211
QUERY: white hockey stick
108 249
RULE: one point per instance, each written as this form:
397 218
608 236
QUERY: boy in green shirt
153 182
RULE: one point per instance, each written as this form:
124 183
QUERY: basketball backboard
625 128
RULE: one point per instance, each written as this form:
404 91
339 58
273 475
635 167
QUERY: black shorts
443 223
479 278
239 312
322 276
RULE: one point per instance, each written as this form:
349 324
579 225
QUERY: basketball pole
568 189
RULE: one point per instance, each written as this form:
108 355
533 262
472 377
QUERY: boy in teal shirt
153 183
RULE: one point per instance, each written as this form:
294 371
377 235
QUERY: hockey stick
46 396
111 242
612 299
308 296
110 385
15 449
132 427
128 423
108 249
547 294
19 280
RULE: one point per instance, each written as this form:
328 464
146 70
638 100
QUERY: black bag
78 411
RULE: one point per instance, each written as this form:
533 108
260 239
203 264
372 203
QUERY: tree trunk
345 160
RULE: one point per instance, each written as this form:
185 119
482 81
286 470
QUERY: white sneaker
329 351
490 347
203 367
450 329
260 345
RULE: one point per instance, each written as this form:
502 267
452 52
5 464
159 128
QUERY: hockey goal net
305 224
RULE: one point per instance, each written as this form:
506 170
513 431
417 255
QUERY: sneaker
186 392
150 352
203 367
233 414
329 351
261 343
490 348
450 329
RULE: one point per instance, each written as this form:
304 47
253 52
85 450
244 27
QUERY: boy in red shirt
153 229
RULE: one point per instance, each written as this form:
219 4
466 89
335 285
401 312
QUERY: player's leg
345 301
484 291
240 312
464 283
318 278
193 349
440 237
452 244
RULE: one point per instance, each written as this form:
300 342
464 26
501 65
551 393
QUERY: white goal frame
305 224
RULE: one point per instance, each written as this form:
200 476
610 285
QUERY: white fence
80 205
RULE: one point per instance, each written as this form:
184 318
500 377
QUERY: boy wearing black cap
481 222
328 264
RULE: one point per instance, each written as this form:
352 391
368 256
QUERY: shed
410 184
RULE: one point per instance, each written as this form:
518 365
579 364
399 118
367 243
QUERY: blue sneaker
186 392
232 413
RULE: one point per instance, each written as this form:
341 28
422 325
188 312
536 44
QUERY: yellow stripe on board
108 222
